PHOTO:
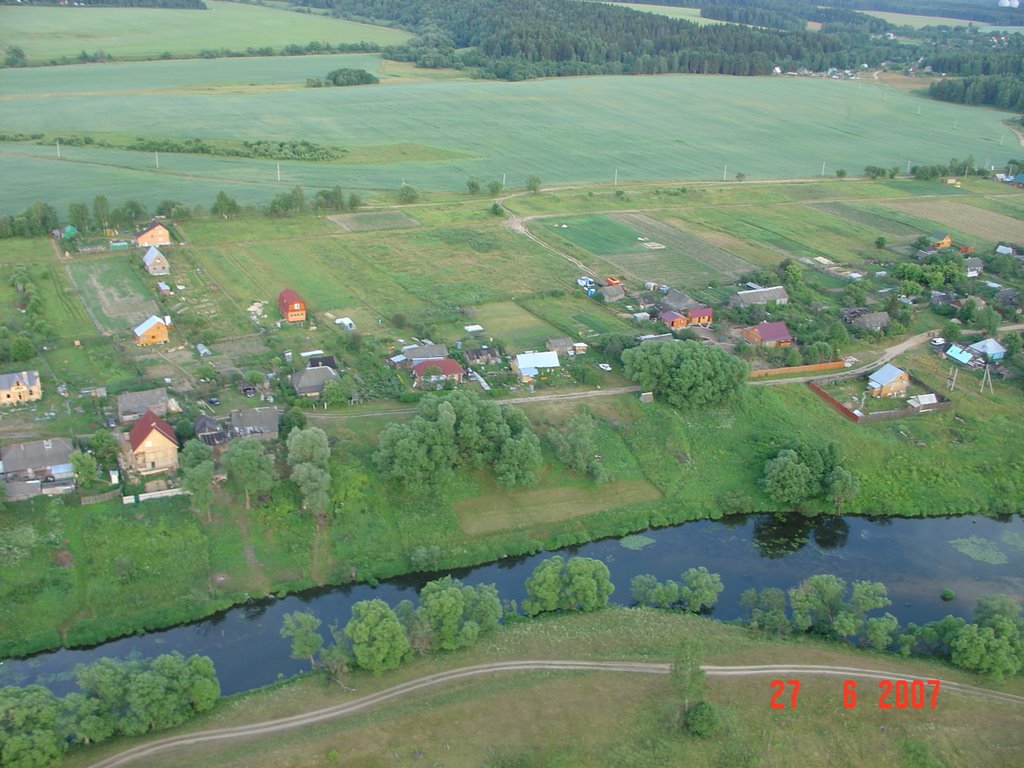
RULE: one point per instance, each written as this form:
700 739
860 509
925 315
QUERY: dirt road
144 751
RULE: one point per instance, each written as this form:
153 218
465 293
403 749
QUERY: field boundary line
636 667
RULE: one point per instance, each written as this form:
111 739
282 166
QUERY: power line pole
156 156
278 171
58 149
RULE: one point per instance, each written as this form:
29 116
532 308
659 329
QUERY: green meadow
665 127
148 33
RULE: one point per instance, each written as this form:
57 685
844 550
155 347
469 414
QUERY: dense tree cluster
801 471
697 590
343 77
114 698
1002 91
687 374
458 429
581 584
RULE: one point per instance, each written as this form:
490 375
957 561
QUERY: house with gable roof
153 330
990 348
150 446
528 366
768 335
20 387
155 234
888 381
291 306
434 374
155 262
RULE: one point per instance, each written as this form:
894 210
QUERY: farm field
112 291
147 33
671 126
372 222
991 226
577 316
519 329
601 235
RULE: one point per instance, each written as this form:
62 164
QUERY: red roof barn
293 308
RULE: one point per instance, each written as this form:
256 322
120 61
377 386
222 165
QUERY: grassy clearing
911 20
518 328
372 222
675 126
605 719
686 14
113 291
598 234
147 33
575 315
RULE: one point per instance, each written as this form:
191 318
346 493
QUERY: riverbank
105 571
600 718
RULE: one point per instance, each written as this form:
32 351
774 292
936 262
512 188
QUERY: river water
914 558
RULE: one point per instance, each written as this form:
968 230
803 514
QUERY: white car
604 366
938 341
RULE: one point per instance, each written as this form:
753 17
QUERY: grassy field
910 20
671 126
148 33
599 719
686 14
113 291
518 328
955 215
372 222
598 234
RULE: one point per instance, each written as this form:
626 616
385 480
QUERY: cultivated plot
372 222
860 215
685 258
519 329
601 235
965 218
577 316
112 292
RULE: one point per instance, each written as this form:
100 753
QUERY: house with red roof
768 335
434 374
151 445
293 308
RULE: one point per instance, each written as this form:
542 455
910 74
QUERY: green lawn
46 33
668 127
598 234
519 329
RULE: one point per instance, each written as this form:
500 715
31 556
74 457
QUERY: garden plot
372 222
672 256
963 217
112 292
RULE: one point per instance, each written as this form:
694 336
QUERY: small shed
203 350
346 322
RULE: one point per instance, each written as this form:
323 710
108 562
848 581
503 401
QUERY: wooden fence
101 497
798 369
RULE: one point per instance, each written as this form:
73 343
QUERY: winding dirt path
364 702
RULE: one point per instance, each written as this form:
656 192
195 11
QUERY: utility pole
156 156
822 167
616 183
58 149
278 171
724 171
503 182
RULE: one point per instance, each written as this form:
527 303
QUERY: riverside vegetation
136 698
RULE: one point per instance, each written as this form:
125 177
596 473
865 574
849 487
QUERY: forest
1002 91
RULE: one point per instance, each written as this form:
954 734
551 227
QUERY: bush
703 720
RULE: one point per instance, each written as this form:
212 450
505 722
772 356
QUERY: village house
940 240
310 382
318 361
960 355
481 356
153 330
685 318
562 346
150 446
990 348
756 296
888 381
672 319
1009 299
417 354
259 423
155 234
131 405
677 301
860 317
973 266
528 366
434 374
209 431
39 466
768 335
291 306
20 387
610 293
155 262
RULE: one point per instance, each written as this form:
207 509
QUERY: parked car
213 400
938 341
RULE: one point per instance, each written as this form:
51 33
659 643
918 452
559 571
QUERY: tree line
1002 91
114 698
343 77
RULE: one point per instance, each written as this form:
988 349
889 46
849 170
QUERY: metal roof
887 374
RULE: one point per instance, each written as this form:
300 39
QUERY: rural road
144 751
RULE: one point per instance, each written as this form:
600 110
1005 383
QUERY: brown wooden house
293 308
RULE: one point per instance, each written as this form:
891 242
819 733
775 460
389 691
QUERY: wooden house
155 262
768 335
754 296
293 308
20 387
940 240
672 319
888 381
151 445
155 234
153 330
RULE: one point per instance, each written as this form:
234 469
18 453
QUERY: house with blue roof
528 366
990 348
155 262
888 381
959 354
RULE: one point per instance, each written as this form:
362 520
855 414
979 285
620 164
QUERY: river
914 558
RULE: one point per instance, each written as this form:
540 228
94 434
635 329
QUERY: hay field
666 127
374 221
112 292
46 33
965 218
